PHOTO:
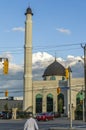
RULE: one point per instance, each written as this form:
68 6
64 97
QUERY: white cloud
14 79
7 55
18 29
63 30
41 56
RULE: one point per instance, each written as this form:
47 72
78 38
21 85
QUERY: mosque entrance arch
60 103
79 104
49 103
38 103
79 100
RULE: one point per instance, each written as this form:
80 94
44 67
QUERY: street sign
65 88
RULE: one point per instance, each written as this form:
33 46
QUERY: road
59 122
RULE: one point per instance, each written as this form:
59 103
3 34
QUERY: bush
22 114
78 115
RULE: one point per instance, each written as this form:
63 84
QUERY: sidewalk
58 128
76 124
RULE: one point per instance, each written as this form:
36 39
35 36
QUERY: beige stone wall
50 86
77 84
77 81
44 88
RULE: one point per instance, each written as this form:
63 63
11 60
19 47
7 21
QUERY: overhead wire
49 46
52 48
42 89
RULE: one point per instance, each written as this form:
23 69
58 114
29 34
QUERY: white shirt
31 124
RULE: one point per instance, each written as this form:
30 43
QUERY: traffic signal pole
68 77
85 77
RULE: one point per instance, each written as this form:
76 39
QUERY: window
52 78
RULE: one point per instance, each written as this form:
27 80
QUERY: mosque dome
54 69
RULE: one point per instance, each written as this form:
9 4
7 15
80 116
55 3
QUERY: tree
6 107
60 105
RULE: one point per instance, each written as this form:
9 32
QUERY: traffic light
5 66
66 73
6 93
58 90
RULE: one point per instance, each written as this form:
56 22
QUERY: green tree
6 107
60 105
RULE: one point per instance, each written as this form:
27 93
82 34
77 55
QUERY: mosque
52 94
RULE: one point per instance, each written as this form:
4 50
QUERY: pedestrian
31 123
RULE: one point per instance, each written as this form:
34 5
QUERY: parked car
55 114
44 117
5 115
1 115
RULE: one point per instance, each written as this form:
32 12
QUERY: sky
59 29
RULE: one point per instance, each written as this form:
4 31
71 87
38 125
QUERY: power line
51 48
41 90
61 45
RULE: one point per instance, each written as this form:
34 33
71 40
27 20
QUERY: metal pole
84 47
85 78
70 97
83 92
83 104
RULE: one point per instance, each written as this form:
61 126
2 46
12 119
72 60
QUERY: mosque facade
43 96
47 98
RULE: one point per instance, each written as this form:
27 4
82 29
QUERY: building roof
54 69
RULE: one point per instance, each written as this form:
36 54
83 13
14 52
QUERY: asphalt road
59 122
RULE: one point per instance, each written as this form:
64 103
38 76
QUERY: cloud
7 55
16 29
14 80
65 31
21 29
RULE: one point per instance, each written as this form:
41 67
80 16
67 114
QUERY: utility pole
83 103
84 47
69 69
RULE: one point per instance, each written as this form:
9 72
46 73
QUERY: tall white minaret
27 94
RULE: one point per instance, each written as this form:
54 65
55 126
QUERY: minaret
27 94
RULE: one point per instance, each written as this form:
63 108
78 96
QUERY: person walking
31 124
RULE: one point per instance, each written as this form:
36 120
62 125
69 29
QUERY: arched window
38 103
79 100
49 103
61 103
